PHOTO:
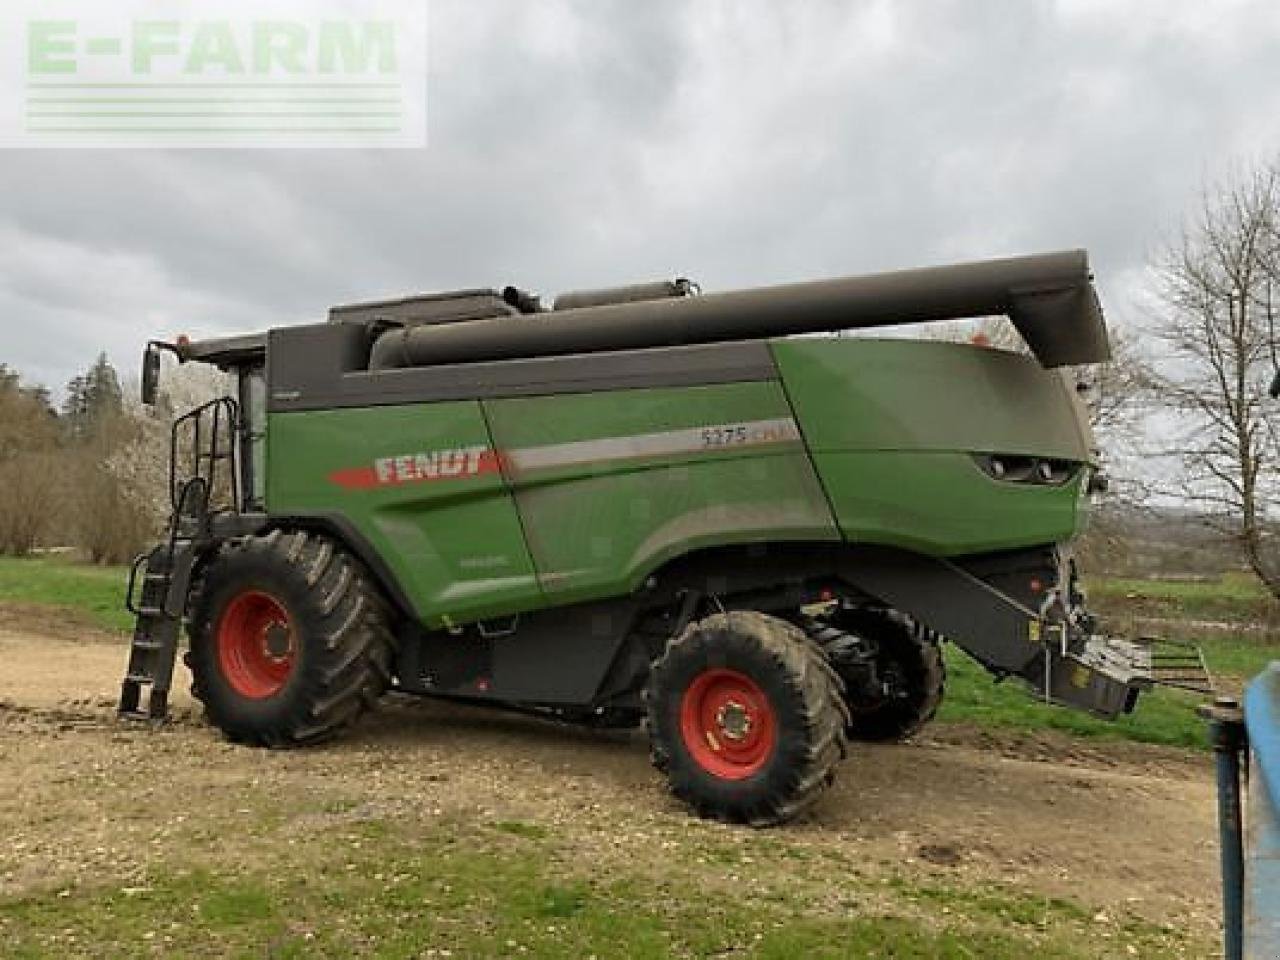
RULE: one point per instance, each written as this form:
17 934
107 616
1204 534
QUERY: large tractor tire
745 718
290 642
908 664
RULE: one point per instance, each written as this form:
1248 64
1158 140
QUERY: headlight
1015 468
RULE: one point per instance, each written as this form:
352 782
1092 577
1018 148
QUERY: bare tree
1115 395
1114 390
138 467
1215 289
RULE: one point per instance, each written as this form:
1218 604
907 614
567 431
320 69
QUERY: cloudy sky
739 142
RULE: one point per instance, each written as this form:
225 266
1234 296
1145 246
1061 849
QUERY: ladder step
139 678
158 704
147 645
130 698
154 612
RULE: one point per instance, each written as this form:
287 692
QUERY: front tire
745 718
290 642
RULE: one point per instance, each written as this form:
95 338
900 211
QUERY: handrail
225 415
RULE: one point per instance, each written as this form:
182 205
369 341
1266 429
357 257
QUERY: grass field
1235 598
94 591
1164 717
503 891
1230 587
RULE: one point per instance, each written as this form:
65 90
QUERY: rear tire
908 660
745 718
290 643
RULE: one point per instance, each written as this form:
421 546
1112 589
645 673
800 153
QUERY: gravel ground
1126 830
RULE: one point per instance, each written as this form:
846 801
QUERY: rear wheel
904 686
290 643
745 718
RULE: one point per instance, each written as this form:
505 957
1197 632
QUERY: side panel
555 656
422 485
611 485
893 426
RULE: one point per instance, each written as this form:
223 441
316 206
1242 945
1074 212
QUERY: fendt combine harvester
642 505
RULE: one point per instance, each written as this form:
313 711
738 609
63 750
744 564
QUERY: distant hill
1128 540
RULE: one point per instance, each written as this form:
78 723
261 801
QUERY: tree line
90 474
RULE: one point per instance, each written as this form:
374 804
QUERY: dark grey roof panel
427 308
299 379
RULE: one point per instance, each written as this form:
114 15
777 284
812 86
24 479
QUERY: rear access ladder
160 581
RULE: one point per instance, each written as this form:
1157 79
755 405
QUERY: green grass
444 896
519 828
97 592
1163 716
1233 597
1230 586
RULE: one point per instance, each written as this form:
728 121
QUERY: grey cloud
585 143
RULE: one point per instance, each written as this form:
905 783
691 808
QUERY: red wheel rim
257 645
728 724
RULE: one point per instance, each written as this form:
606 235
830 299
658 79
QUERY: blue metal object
1261 921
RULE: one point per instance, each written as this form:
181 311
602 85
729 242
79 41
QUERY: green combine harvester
641 505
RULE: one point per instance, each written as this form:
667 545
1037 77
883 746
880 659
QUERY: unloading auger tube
1049 298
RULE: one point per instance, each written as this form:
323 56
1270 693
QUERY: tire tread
814 746
351 653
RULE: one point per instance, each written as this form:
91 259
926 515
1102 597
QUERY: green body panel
453 543
620 482
942 504
892 426
554 499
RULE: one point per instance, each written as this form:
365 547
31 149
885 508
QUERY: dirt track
1125 830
